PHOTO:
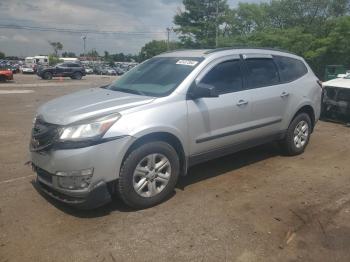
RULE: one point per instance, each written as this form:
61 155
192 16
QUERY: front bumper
105 159
96 197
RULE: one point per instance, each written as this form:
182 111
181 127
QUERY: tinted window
73 65
158 76
226 77
262 72
290 68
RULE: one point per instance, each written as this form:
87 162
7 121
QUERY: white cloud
106 15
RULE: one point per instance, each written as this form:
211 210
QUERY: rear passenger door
269 98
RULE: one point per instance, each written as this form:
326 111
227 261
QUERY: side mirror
203 90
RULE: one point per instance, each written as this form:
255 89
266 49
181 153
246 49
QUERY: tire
141 158
47 76
77 76
298 135
2 79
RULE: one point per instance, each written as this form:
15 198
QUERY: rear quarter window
290 69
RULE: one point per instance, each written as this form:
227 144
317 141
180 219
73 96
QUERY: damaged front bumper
94 196
336 104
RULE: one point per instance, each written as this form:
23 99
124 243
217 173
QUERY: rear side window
290 69
226 77
261 72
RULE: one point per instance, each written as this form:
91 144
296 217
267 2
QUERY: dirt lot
252 206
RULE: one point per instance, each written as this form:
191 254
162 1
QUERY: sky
143 20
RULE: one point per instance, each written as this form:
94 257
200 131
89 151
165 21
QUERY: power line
77 31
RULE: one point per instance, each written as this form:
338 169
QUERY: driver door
218 122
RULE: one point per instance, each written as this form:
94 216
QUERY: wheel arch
167 137
308 109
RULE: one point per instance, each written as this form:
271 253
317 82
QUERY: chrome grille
43 135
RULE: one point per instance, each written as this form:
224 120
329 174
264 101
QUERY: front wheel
149 174
47 76
298 135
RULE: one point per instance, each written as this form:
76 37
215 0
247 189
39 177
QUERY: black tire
2 79
126 176
288 145
47 76
77 76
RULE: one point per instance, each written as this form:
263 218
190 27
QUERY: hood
338 82
93 102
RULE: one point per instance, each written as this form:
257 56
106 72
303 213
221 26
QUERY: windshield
158 76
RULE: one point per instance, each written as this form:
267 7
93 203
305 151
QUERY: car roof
205 53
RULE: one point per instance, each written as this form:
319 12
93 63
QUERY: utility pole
84 42
168 29
217 25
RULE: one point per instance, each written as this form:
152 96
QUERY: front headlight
95 128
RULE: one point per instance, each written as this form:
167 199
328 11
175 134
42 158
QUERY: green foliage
93 53
68 54
2 55
56 46
53 60
318 30
199 22
156 47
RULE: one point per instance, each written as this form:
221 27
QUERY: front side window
226 77
290 69
261 72
157 77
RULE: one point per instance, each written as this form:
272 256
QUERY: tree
68 54
199 24
154 48
56 46
2 55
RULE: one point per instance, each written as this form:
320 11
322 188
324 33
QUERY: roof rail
245 47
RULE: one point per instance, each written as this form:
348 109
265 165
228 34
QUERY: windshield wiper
132 91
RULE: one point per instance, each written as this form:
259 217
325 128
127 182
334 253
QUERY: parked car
5 74
336 99
119 71
110 71
137 135
89 70
28 69
72 70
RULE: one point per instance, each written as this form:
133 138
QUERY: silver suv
138 134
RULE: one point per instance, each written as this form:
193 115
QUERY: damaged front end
336 104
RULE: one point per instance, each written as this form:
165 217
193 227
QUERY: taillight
319 82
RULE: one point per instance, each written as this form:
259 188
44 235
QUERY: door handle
284 94
242 103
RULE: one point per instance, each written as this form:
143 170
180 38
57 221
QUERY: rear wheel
149 175
47 76
2 78
77 76
298 135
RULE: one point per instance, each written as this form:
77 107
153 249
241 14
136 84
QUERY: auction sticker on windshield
187 62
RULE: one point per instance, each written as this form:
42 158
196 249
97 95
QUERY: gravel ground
255 205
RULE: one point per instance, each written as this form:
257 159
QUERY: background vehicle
89 70
137 135
72 70
110 71
332 71
336 99
5 74
28 69
35 61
